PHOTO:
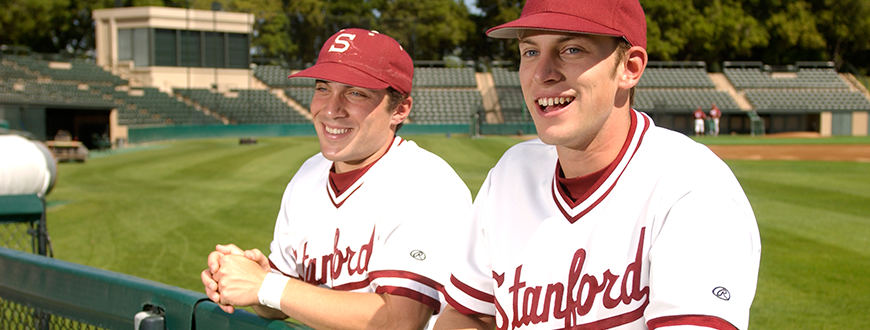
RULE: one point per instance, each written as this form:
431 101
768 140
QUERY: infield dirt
828 152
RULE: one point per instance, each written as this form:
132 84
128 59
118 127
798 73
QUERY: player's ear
401 112
634 62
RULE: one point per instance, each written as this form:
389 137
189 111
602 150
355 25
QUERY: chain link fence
22 224
15 316
19 236
22 228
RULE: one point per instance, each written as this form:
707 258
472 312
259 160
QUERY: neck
599 152
344 167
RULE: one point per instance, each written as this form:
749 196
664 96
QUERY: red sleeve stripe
457 306
411 294
474 293
406 275
708 321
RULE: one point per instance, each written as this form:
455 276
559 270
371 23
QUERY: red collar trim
341 186
572 210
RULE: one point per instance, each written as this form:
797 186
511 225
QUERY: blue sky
472 6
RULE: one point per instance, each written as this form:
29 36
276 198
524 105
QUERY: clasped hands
234 276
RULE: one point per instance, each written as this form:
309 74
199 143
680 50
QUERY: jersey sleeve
282 257
704 260
416 252
470 290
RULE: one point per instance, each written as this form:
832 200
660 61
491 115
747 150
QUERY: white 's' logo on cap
340 45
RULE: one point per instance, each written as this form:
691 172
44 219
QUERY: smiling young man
358 243
601 223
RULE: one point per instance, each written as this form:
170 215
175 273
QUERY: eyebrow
561 39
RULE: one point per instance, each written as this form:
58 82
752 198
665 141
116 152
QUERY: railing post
149 319
42 231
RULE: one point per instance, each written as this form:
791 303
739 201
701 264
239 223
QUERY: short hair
395 99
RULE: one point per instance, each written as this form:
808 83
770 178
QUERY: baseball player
600 222
715 114
700 116
358 242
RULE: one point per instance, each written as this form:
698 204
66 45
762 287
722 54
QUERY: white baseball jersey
651 244
384 233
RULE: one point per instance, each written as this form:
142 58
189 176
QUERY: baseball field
155 211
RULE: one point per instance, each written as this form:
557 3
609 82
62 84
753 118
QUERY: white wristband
272 289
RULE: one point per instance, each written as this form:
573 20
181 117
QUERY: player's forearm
268 312
451 319
322 308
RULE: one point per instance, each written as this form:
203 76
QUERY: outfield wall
37 292
180 132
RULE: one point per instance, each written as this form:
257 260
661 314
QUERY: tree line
776 32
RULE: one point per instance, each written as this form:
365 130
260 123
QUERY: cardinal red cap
618 18
364 59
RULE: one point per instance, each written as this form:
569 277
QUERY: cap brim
341 73
550 21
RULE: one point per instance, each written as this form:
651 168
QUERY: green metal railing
42 293
37 292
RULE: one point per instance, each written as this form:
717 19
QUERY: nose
547 70
331 105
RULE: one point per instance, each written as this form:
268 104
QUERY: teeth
548 101
336 130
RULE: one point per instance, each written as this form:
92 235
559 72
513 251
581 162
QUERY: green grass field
155 211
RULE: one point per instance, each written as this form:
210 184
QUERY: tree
493 13
846 27
429 30
270 26
49 26
711 31
794 34
671 25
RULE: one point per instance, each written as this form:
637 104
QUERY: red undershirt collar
579 188
339 182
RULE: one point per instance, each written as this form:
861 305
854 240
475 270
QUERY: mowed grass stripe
814 219
157 212
470 158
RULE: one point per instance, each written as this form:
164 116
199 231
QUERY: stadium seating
444 106
751 78
683 99
75 70
505 78
675 78
816 100
276 77
301 95
513 106
663 88
9 72
444 95
807 89
510 95
444 77
52 92
152 106
441 95
245 106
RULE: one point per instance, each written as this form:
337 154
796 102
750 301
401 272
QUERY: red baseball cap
618 18
364 59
